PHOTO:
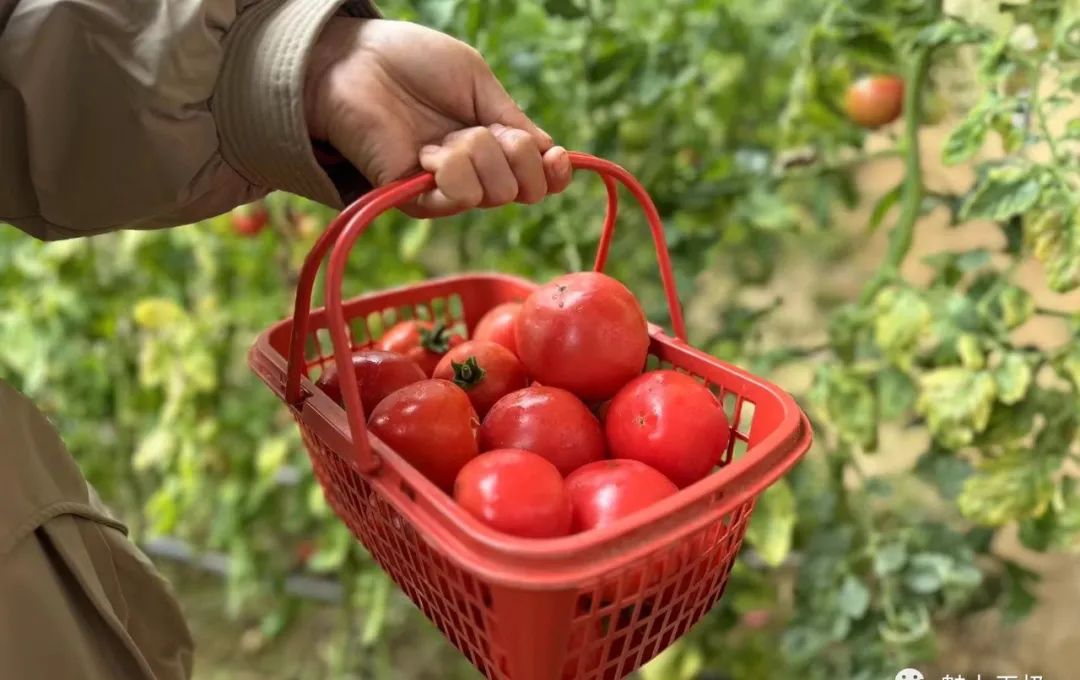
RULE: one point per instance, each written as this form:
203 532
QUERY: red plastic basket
591 606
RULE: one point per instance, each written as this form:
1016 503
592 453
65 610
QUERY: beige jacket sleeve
153 113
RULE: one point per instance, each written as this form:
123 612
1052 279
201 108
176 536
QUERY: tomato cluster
543 423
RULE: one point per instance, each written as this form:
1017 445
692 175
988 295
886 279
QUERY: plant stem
1056 313
903 233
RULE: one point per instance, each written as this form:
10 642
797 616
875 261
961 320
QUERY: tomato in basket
498 325
378 374
424 342
432 425
547 421
516 492
487 372
583 332
669 421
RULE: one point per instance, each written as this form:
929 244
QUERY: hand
394 97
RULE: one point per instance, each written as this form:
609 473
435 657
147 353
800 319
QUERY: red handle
355 219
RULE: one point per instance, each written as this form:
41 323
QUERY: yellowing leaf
157 313
1013 378
773 523
1015 485
957 403
902 317
1054 238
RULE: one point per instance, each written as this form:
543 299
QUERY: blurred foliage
730 113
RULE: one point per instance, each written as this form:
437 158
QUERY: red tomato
249 220
608 490
874 101
498 325
583 332
547 421
516 492
432 425
486 371
670 421
379 374
422 341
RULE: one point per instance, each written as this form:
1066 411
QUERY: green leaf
413 239
846 401
890 558
969 349
957 403
901 318
970 134
926 572
773 524
896 393
1009 308
1053 236
1003 192
1013 377
1015 485
1019 598
567 9
945 470
1070 366
882 207
951 32
854 597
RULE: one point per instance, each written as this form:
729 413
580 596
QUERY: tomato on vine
874 101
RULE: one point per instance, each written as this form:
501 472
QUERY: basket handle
351 223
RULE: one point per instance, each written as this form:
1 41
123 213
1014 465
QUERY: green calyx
435 339
467 374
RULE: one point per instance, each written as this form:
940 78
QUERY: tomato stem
468 373
903 233
435 339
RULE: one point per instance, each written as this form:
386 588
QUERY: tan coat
126 114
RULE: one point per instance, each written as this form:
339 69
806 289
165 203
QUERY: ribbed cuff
259 100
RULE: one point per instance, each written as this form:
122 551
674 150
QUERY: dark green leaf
1004 191
926 572
854 597
882 207
945 470
952 32
890 558
1019 595
896 393
970 134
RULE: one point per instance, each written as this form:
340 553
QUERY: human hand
394 97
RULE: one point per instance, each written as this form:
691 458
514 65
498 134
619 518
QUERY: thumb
494 105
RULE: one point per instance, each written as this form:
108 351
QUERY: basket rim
725 489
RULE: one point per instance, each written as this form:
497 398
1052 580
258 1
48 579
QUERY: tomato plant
731 113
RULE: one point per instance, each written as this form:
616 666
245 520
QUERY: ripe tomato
608 490
516 492
379 374
498 325
432 425
547 421
583 332
249 220
422 341
874 101
670 421
485 370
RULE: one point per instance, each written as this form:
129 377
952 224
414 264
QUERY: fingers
487 167
495 107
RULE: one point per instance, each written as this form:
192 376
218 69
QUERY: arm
153 113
